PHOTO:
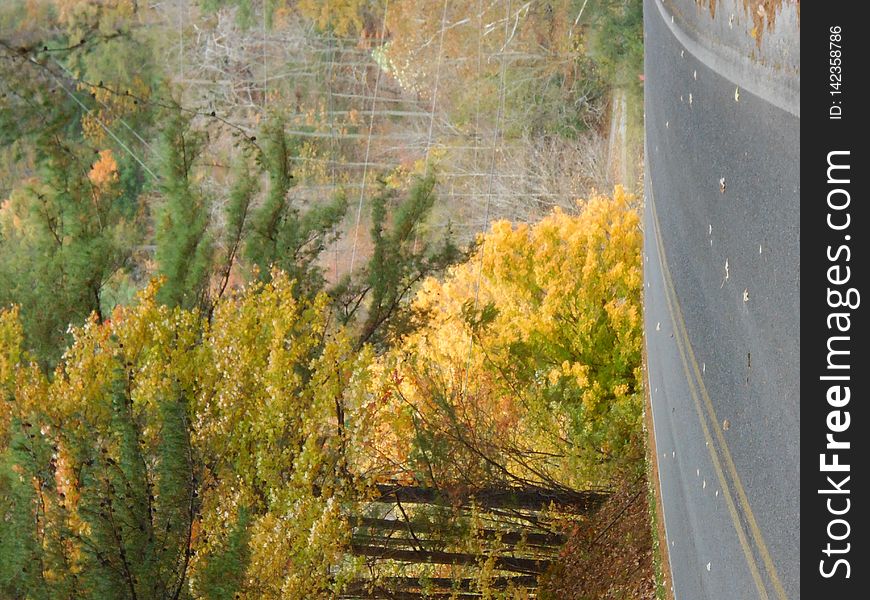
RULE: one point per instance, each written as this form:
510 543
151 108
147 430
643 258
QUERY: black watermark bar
835 221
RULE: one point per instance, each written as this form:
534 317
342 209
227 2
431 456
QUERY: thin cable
496 136
368 146
435 89
101 124
330 108
106 106
479 70
265 71
181 46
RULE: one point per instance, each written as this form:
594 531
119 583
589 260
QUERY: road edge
655 490
779 89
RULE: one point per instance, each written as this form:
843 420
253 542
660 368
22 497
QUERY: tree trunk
400 595
530 498
444 584
511 538
528 566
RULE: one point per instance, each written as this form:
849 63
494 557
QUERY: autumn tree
507 414
170 456
528 370
64 235
100 480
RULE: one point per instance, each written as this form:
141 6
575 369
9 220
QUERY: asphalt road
722 313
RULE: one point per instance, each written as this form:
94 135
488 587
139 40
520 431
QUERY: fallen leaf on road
737 94
708 566
722 184
746 295
726 425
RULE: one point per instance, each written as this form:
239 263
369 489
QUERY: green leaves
184 244
63 238
281 236
403 255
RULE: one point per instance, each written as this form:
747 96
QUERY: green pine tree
403 255
184 242
281 235
62 240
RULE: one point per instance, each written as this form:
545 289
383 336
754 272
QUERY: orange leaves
104 172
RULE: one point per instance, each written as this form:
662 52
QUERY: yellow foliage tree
528 367
344 17
173 456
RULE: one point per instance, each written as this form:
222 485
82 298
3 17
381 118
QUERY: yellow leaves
540 274
277 404
578 371
560 355
554 376
11 338
344 16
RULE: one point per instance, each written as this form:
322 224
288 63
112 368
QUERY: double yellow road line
729 480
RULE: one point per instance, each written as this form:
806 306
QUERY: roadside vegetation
319 300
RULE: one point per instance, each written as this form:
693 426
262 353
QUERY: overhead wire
368 146
482 251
